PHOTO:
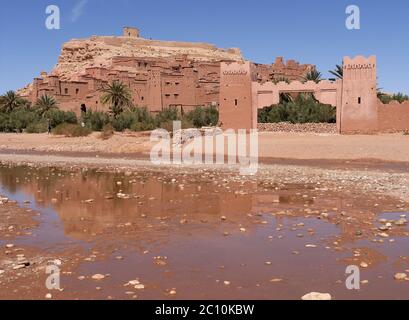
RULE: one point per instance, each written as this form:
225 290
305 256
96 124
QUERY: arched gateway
355 97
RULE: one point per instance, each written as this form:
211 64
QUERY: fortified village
162 74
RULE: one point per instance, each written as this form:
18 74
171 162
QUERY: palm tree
118 96
313 75
44 104
10 101
338 72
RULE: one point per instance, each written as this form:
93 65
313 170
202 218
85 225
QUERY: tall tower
359 112
237 110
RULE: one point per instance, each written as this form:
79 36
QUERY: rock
1 272
276 280
172 292
81 278
98 277
139 287
401 222
310 246
226 283
48 296
317 296
133 283
9 246
384 228
383 235
243 230
364 265
400 276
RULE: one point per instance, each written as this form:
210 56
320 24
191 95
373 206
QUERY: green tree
44 104
313 75
10 101
118 96
338 72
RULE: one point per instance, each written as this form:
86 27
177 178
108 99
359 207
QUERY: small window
77 91
236 102
66 90
359 100
142 98
177 83
176 95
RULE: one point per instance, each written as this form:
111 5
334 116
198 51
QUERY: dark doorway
83 108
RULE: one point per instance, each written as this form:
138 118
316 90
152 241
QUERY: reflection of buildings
166 204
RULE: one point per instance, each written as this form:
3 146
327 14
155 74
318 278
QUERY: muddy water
208 235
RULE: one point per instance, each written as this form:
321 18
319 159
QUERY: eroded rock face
77 55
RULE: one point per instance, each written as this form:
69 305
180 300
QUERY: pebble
98 277
139 287
226 283
364 265
400 276
310 246
317 296
48 296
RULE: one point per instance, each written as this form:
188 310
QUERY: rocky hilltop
77 55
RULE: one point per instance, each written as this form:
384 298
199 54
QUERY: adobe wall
393 117
236 104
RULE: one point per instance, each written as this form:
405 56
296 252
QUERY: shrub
136 119
203 116
5 122
20 118
304 109
95 120
71 130
107 132
37 127
58 117
167 115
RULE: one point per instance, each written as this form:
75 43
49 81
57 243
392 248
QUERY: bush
167 115
95 121
304 109
203 116
5 122
136 119
71 130
107 132
58 117
387 98
38 127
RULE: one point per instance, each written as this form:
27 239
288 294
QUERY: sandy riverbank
272 145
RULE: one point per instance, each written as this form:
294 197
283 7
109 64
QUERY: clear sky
310 31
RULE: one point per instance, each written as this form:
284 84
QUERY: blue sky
310 31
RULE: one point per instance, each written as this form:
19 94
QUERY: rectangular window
359 100
77 91
236 102
66 90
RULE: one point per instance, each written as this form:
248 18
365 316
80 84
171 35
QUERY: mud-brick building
160 74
